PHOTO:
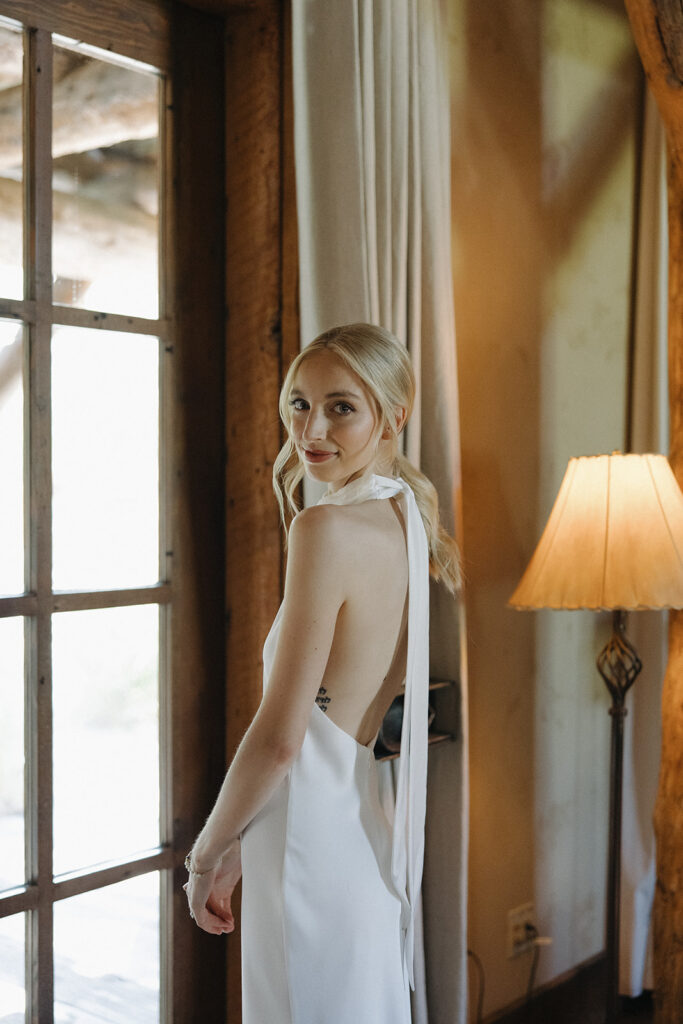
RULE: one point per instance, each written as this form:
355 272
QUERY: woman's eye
344 408
298 404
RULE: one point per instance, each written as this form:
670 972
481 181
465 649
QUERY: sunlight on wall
544 97
587 108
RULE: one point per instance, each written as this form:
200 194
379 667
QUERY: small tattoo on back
322 700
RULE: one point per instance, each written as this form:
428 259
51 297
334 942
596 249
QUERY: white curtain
372 156
647 630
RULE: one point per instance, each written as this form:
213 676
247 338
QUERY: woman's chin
333 473
322 471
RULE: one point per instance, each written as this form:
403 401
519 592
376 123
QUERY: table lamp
613 542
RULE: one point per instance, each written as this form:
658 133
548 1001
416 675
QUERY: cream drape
647 630
372 157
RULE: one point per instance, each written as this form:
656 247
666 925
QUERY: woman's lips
317 456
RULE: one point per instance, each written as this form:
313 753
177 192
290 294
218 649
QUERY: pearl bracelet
192 871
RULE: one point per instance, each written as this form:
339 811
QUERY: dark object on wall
388 744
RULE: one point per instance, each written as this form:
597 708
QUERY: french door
86 552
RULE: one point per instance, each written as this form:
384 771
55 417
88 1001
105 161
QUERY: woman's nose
315 426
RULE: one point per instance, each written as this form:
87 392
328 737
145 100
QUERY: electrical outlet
520 922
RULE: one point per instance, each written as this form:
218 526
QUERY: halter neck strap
364 488
407 852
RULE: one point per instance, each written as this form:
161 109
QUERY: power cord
532 934
537 941
532 937
481 981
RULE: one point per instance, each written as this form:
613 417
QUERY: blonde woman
330 886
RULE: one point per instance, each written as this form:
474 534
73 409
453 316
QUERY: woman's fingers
198 892
220 905
212 924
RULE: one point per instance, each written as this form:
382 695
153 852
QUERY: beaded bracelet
199 874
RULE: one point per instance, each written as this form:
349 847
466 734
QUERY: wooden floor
579 1001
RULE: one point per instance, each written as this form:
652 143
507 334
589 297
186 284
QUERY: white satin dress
329 886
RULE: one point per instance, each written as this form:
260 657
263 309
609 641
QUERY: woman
329 887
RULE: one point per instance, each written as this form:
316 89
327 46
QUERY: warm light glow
614 538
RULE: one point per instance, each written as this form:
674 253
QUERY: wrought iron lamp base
619 665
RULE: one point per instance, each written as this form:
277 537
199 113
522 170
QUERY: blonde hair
383 366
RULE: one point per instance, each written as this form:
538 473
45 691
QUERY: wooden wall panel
253 339
253 350
224 6
290 259
658 31
198 655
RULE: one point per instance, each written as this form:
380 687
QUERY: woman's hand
227 876
209 894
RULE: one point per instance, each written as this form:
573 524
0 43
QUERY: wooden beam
291 321
254 158
658 31
95 104
290 257
253 348
225 6
91 235
197 295
11 60
134 28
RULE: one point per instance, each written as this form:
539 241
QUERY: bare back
366 664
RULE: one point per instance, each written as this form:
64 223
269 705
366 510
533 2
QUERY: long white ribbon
407 853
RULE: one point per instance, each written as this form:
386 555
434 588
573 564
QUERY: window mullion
166 560
38 284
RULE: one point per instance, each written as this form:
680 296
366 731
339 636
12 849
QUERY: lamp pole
619 665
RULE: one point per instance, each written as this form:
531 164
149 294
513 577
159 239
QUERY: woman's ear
400 417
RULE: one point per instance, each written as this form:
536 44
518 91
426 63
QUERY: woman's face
333 420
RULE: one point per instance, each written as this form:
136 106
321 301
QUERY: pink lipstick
317 456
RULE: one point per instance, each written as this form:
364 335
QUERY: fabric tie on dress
411 792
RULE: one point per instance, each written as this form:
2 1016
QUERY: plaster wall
544 101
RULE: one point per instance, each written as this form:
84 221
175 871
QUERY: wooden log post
254 353
658 31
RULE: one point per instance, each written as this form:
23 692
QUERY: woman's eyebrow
331 394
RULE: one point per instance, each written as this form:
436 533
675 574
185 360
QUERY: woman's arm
314 594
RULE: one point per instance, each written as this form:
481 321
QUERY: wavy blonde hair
383 366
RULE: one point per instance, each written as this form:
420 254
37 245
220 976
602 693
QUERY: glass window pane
107 954
11 753
105 734
105 151
11 458
105 459
11 163
12 969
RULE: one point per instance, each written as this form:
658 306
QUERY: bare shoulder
336 536
343 530
334 524
318 521
319 534
317 558
331 547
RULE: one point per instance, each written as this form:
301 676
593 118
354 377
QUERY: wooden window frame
232 60
191 417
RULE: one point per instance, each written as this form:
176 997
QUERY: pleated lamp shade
614 538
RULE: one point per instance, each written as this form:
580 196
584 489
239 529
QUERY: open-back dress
329 885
